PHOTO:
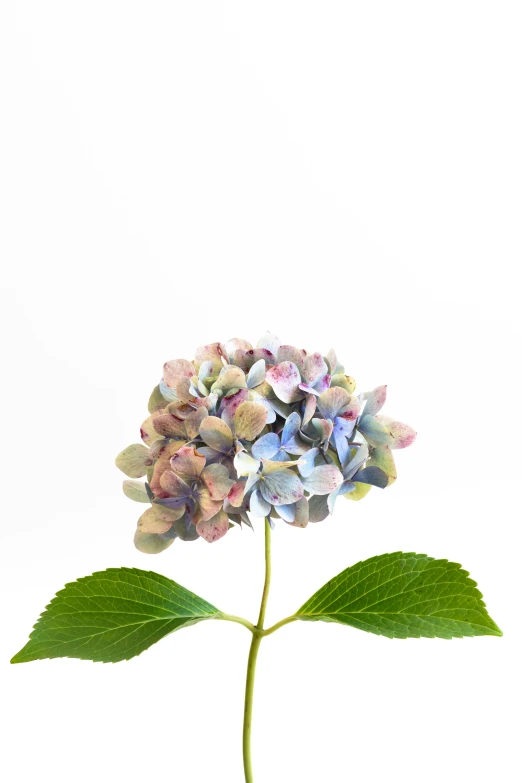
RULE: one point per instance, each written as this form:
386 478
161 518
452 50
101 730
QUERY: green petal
216 434
214 352
151 544
156 400
158 519
135 490
249 420
147 431
344 382
134 460
229 378
332 400
382 457
360 491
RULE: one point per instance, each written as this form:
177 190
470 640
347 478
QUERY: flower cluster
271 431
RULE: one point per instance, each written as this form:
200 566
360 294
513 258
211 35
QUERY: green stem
252 659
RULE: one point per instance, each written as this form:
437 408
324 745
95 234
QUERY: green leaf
112 616
401 596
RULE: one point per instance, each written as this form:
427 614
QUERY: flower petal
188 463
156 400
134 460
135 490
258 505
323 479
314 369
344 382
288 353
237 493
206 507
287 512
214 352
374 400
217 481
213 529
341 443
302 513
256 374
216 434
318 508
175 486
382 457
249 420
176 369
169 426
158 519
281 487
266 447
310 406
291 428
375 432
357 459
147 431
245 464
332 400
372 475
165 450
230 378
193 422
236 344
284 378
151 544
270 342
402 435
323 429
305 464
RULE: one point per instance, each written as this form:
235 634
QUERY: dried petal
256 374
214 352
281 487
169 426
258 505
323 479
217 434
249 420
176 369
217 481
151 544
245 464
270 343
332 400
188 463
147 431
193 422
402 435
284 378
374 400
213 529
134 460
135 490
175 486
267 446
287 353
230 378
315 368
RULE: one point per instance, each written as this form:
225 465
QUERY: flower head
267 431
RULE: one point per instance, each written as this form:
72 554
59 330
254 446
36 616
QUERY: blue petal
305 464
266 447
291 428
287 512
258 505
341 444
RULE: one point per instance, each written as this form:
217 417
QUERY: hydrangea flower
267 431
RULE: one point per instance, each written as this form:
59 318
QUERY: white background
345 175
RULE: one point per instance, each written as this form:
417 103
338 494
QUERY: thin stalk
252 659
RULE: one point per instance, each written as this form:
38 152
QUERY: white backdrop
344 175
